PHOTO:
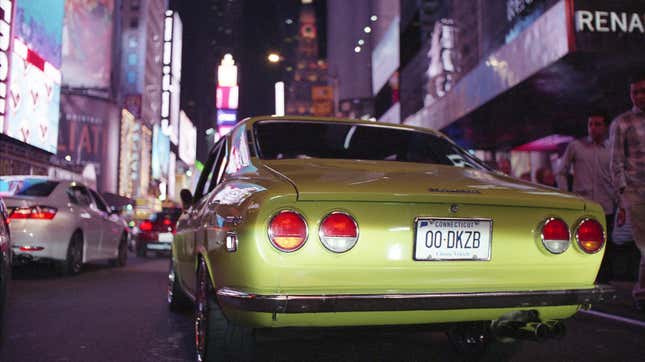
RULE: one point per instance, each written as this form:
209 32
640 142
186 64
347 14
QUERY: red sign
227 97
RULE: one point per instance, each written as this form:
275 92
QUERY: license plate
159 246
453 239
165 237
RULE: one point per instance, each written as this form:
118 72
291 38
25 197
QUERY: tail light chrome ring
272 235
555 245
326 240
577 236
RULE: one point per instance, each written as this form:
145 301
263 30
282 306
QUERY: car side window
100 204
203 185
218 168
78 195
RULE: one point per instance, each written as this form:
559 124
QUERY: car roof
41 177
296 118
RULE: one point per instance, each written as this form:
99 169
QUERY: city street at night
108 314
322 180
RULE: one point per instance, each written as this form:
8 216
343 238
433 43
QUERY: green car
318 222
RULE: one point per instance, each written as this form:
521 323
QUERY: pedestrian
504 166
545 176
589 159
627 147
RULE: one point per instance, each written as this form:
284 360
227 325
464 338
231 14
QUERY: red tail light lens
145 225
555 236
288 231
590 236
338 232
35 212
167 222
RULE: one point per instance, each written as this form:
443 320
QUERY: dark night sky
260 28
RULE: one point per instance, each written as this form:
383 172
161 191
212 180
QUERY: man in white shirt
627 139
590 157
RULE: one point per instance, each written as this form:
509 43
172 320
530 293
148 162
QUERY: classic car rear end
319 222
400 261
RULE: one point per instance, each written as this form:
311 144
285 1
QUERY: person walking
589 158
627 147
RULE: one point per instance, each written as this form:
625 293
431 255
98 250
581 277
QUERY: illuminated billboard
226 117
160 153
34 90
187 139
171 75
227 97
87 55
385 57
6 23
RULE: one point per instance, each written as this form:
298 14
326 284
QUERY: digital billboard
87 55
187 139
6 23
385 57
226 117
35 77
160 153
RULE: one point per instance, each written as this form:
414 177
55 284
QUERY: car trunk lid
385 181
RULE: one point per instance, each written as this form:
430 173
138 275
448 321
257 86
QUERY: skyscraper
309 92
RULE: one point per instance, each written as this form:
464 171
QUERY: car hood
386 181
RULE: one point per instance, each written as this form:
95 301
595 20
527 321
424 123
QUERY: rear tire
73 262
177 300
216 338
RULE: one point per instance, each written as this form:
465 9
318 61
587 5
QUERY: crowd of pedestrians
608 167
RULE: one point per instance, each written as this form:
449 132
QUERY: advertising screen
227 97
226 117
87 55
6 22
385 57
83 128
187 139
160 153
34 90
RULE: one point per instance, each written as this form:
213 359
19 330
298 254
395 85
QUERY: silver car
62 221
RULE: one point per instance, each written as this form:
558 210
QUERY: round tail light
555 235
338 232
590 236
287 231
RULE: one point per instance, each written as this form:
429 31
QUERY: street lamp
274 57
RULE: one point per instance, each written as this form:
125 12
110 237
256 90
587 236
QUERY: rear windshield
171 214
291 139
27 187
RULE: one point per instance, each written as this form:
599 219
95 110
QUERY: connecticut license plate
453 239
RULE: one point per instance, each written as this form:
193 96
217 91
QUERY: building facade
309 92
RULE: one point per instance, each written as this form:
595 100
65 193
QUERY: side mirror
114 210
186 198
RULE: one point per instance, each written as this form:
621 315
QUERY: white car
62 221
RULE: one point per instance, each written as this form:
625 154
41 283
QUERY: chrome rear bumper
401 302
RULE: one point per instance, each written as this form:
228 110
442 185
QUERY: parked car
156 233
5 263
62 221
322 222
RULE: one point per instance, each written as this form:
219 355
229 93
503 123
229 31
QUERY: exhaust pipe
23 259
533 331
556 328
